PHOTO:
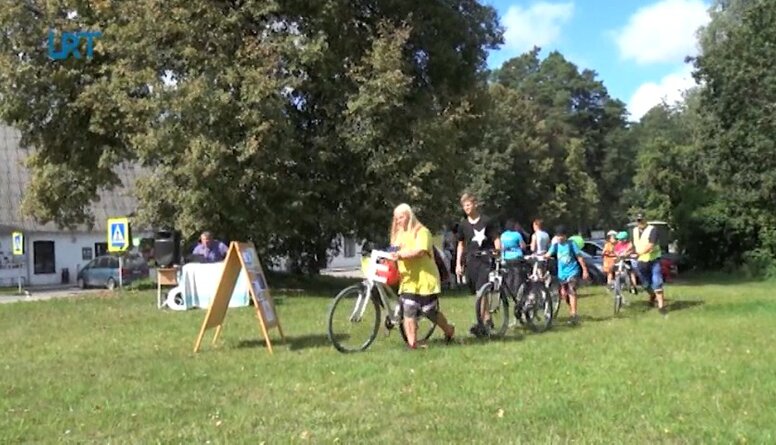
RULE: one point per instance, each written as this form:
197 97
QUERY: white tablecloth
197 285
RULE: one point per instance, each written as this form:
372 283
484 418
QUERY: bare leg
660 299
573 303
484 311
442 322
411 329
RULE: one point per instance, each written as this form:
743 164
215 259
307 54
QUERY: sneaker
663 310
573 320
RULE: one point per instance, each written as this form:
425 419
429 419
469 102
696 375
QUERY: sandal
449 339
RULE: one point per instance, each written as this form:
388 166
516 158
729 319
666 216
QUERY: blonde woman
420 285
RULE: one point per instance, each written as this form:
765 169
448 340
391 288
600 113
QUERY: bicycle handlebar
490 253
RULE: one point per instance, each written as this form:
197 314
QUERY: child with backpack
570 262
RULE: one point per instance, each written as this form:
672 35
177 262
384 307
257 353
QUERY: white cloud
540 24
662 32
669 90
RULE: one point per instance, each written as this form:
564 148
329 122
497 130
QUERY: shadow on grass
642 306
311 341
293 343
255 343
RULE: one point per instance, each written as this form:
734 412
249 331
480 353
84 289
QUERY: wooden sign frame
242 258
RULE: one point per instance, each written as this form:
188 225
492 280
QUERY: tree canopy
289 122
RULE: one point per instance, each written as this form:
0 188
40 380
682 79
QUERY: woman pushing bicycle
419 285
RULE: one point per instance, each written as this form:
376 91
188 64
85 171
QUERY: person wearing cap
609 256
570 261
648 251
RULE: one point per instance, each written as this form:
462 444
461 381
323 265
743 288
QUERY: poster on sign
266 306
248 256
242 258
258 284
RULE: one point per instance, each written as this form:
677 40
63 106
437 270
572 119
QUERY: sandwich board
242 258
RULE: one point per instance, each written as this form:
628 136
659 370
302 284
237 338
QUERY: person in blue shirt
512 251
512 242
570 262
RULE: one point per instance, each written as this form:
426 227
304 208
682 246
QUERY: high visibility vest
641 239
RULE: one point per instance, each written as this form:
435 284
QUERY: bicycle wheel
490 302
518 310
617 294
554 292
538 309
425 329
354 320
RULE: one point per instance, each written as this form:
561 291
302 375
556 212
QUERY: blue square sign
118 235
18 243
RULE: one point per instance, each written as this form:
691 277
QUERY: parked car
595 268
103 271
594 248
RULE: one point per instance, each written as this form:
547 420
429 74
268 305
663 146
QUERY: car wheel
110 284
81 283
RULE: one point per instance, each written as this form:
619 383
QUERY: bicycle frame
539 271
621 270
372 282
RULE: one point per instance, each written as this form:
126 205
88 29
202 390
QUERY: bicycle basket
381 269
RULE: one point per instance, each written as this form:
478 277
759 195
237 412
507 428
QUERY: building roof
14 178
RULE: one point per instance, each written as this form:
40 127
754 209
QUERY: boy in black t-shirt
476 233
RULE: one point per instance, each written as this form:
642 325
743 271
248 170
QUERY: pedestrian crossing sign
18 243
118 235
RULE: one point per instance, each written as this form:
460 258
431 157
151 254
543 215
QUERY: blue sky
637 47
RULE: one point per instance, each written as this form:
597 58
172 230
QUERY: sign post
18 249
119 240
241 258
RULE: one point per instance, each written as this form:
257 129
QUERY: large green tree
738 139
578 132
283 121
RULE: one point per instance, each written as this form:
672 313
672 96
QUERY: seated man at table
211 250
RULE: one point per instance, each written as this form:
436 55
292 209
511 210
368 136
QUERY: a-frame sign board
242 258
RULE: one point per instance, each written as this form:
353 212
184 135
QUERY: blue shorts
651 274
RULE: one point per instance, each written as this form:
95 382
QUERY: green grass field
114 369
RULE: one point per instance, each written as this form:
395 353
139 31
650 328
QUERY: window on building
349 247
100 249
43 257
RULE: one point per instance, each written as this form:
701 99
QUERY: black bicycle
534 302
491 306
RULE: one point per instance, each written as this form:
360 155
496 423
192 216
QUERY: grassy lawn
114 369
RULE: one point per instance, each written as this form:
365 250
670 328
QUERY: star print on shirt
479 236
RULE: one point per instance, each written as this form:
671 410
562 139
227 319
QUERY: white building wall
349 255
68 254
11 267
348 258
